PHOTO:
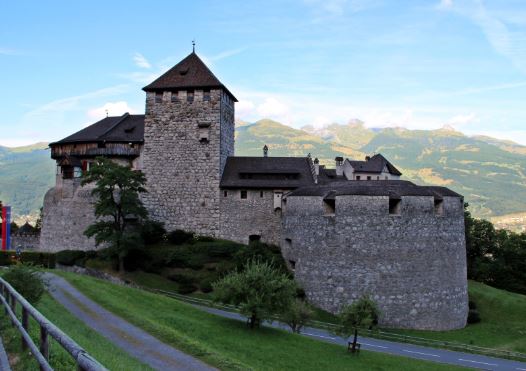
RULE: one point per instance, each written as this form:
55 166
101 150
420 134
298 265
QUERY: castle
344 232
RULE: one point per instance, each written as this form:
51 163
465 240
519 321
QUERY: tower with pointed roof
188 135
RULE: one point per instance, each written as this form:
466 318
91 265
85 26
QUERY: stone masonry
413 264
186 144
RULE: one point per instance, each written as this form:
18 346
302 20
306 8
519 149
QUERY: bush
179 237
46 260
136 259
27 281
263 253
362 313
473 316
6 258
206 285
296 315
153 232
71 257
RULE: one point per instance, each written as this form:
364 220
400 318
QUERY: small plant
27 281
153 232
362 313
70 257
473 313
296 315
179 237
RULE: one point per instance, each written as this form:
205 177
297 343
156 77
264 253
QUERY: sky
393 63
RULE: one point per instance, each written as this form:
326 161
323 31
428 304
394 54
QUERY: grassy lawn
502 326
228 344
98 346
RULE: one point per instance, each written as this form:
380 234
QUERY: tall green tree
118 208
260 290
363 313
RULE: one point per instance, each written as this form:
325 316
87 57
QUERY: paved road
4 361
138 343
400 349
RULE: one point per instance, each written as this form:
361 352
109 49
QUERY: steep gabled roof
190 73
126 128
375 164
267 172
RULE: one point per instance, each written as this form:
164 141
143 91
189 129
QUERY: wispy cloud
110 109
141 61
7 51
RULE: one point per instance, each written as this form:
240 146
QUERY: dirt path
138 343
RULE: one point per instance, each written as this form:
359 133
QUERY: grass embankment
502 326
99 347
226 343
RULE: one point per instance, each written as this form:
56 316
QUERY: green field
96 345
229 344
502 326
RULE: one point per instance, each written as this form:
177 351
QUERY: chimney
265 151
316 166
367 158
339 166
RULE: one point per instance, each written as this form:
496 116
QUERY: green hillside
26 173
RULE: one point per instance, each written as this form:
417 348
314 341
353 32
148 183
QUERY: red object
4 229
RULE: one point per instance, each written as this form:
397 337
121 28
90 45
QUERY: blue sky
416 64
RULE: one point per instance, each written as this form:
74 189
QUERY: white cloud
141 61
274 109
445 4
111 108
461 120
245 109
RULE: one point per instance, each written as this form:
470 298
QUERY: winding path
138 343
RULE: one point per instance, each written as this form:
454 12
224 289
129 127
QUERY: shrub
263 253
473 316
27 281
71 257
205 285
6 258
179 237
153 232
296 315
136 259
46 260
362 313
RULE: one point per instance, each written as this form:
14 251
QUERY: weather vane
193 46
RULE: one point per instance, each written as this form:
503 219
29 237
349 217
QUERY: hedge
43 259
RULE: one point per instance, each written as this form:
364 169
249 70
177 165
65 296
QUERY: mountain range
489 172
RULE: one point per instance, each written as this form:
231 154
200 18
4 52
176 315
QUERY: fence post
25 325
44 343
13 303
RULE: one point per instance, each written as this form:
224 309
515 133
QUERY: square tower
188 135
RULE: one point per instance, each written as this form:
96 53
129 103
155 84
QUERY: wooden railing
10 298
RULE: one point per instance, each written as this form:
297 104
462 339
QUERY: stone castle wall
254 215
68 211
183 172
413 264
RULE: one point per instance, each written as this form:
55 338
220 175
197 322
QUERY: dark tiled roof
267 172
190 73
125 128
375 164
391 188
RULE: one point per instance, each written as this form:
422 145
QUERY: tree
296 315
260 290
118 208
362 313
26 280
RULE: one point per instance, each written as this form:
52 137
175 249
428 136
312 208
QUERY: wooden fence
10 298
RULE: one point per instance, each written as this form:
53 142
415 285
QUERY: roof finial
106 112
193 46
265 151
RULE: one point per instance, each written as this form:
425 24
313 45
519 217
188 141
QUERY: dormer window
190 96
158 97
175 96
439 207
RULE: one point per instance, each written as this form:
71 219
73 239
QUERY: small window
292 264
206 95
358 177
158 97
101 145
394 206
330 206
261 194
225 194
190 96
175 96
244 194
386 177
378 178
439 207
288 243
368 178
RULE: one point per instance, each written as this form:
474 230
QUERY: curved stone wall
413 264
